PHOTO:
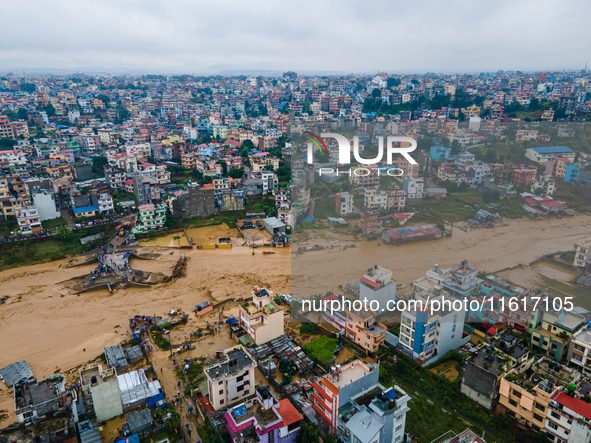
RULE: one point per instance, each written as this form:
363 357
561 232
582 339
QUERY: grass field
324 208
429 419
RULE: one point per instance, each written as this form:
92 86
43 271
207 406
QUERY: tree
28 87
22 114
308 433
392 82
123 112
64 234
376 93
7 143
99 162
463 187
455 147
177 238
49 110
496 195
236 172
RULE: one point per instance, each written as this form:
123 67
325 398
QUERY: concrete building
28 219
105 203
583 254
371 224
46 207
377 284
151 217
569 419
427 336
579 351
362 329
543 154
195 202
479 380
377 415
414 187
343 203
261 318
34 400
375 199
273 225
146 189
553 336
525 398
231 380
264 420
100 391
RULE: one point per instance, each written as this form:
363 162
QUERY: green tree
49 110
393 82
64 234
28 87
7 143
308 433
496 195
236 172
123 113
22 114
376 93
99 162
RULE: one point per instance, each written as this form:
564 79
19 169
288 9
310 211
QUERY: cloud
348 36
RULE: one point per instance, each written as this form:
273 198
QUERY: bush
322 349
309 328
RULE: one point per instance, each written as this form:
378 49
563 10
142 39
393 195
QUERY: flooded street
489 250
54 332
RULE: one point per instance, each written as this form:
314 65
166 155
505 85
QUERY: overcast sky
335 35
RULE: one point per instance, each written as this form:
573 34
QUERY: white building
568 419
105 203
375 199
45 203
543 154
100 389
429 336
28 219
231 380
377 284
344 203
414 187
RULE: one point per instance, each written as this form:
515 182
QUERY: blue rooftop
553 150
86 209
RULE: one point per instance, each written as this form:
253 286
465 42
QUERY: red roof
288 412
492 330
574 404
329 297
373 284
552 204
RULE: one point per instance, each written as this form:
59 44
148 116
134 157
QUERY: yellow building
262 318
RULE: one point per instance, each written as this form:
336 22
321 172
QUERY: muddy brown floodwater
490 250
51 332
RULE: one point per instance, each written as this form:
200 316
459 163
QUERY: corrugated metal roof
16 372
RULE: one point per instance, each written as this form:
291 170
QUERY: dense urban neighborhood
173 217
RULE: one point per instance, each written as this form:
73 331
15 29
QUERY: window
28 414
512 402
552 425
247 392
221 383
579 348
516 394
555 415
221 391
535 338
538 417
540 407
240 388
398 428
221 402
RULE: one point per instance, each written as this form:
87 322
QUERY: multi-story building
428 335
263 419
396 198
37 399
146 189
343 203
28 219
365 177
524 177
105 203
583 254
579 351
371 224
375 416
375 199
568 419
262 318
45 204
553 336
195 202
543 154
362 329
151 217
414 187
115 177
100 391
232 379
525 392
